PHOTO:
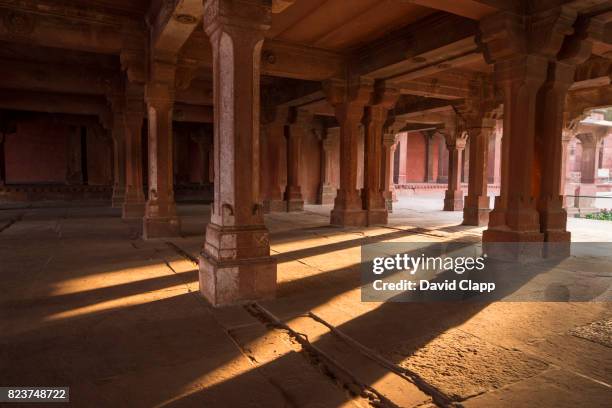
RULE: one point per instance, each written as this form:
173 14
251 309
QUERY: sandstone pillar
235 263
117 133
550 152
403 158
160 219
326 193
299 124
433 151
133 206
476 210
389 146
453 198
585 202
274 126
74 157
374 201
524 51
348 101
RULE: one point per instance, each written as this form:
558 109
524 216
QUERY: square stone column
348 101
520 49
534 58
389 146
455 143
374 202
133 206
117 134
327 192
587 191
402 145
160 219
274 127
476 209
235 263
299 124
433 156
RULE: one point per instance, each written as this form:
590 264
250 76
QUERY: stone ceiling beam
53 102
432 40
34 76
172 23
45 24
278 59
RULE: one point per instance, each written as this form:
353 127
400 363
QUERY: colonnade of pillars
235 262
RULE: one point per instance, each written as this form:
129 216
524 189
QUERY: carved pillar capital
246 20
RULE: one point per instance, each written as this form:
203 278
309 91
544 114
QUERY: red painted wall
417 160
36 153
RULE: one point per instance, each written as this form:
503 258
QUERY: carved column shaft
117 132
476 210
300 123
348 102
133 206
326 191
453 198
389 146
235 263
160 218
275 123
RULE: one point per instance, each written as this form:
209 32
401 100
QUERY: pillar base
453 200
476 216
374 217
133 210
235 265
161 227
513 245
295 205
274 206
326 195
349 218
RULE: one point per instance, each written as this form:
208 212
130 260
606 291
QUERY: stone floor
86 303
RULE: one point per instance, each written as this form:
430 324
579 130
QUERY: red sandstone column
588 170
433 151
374 201
453 198
550 152
160 219
117 133
403 157
389 146
476 210
235 263
133 206
274 126
348 102
532 68
326 193
299 124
